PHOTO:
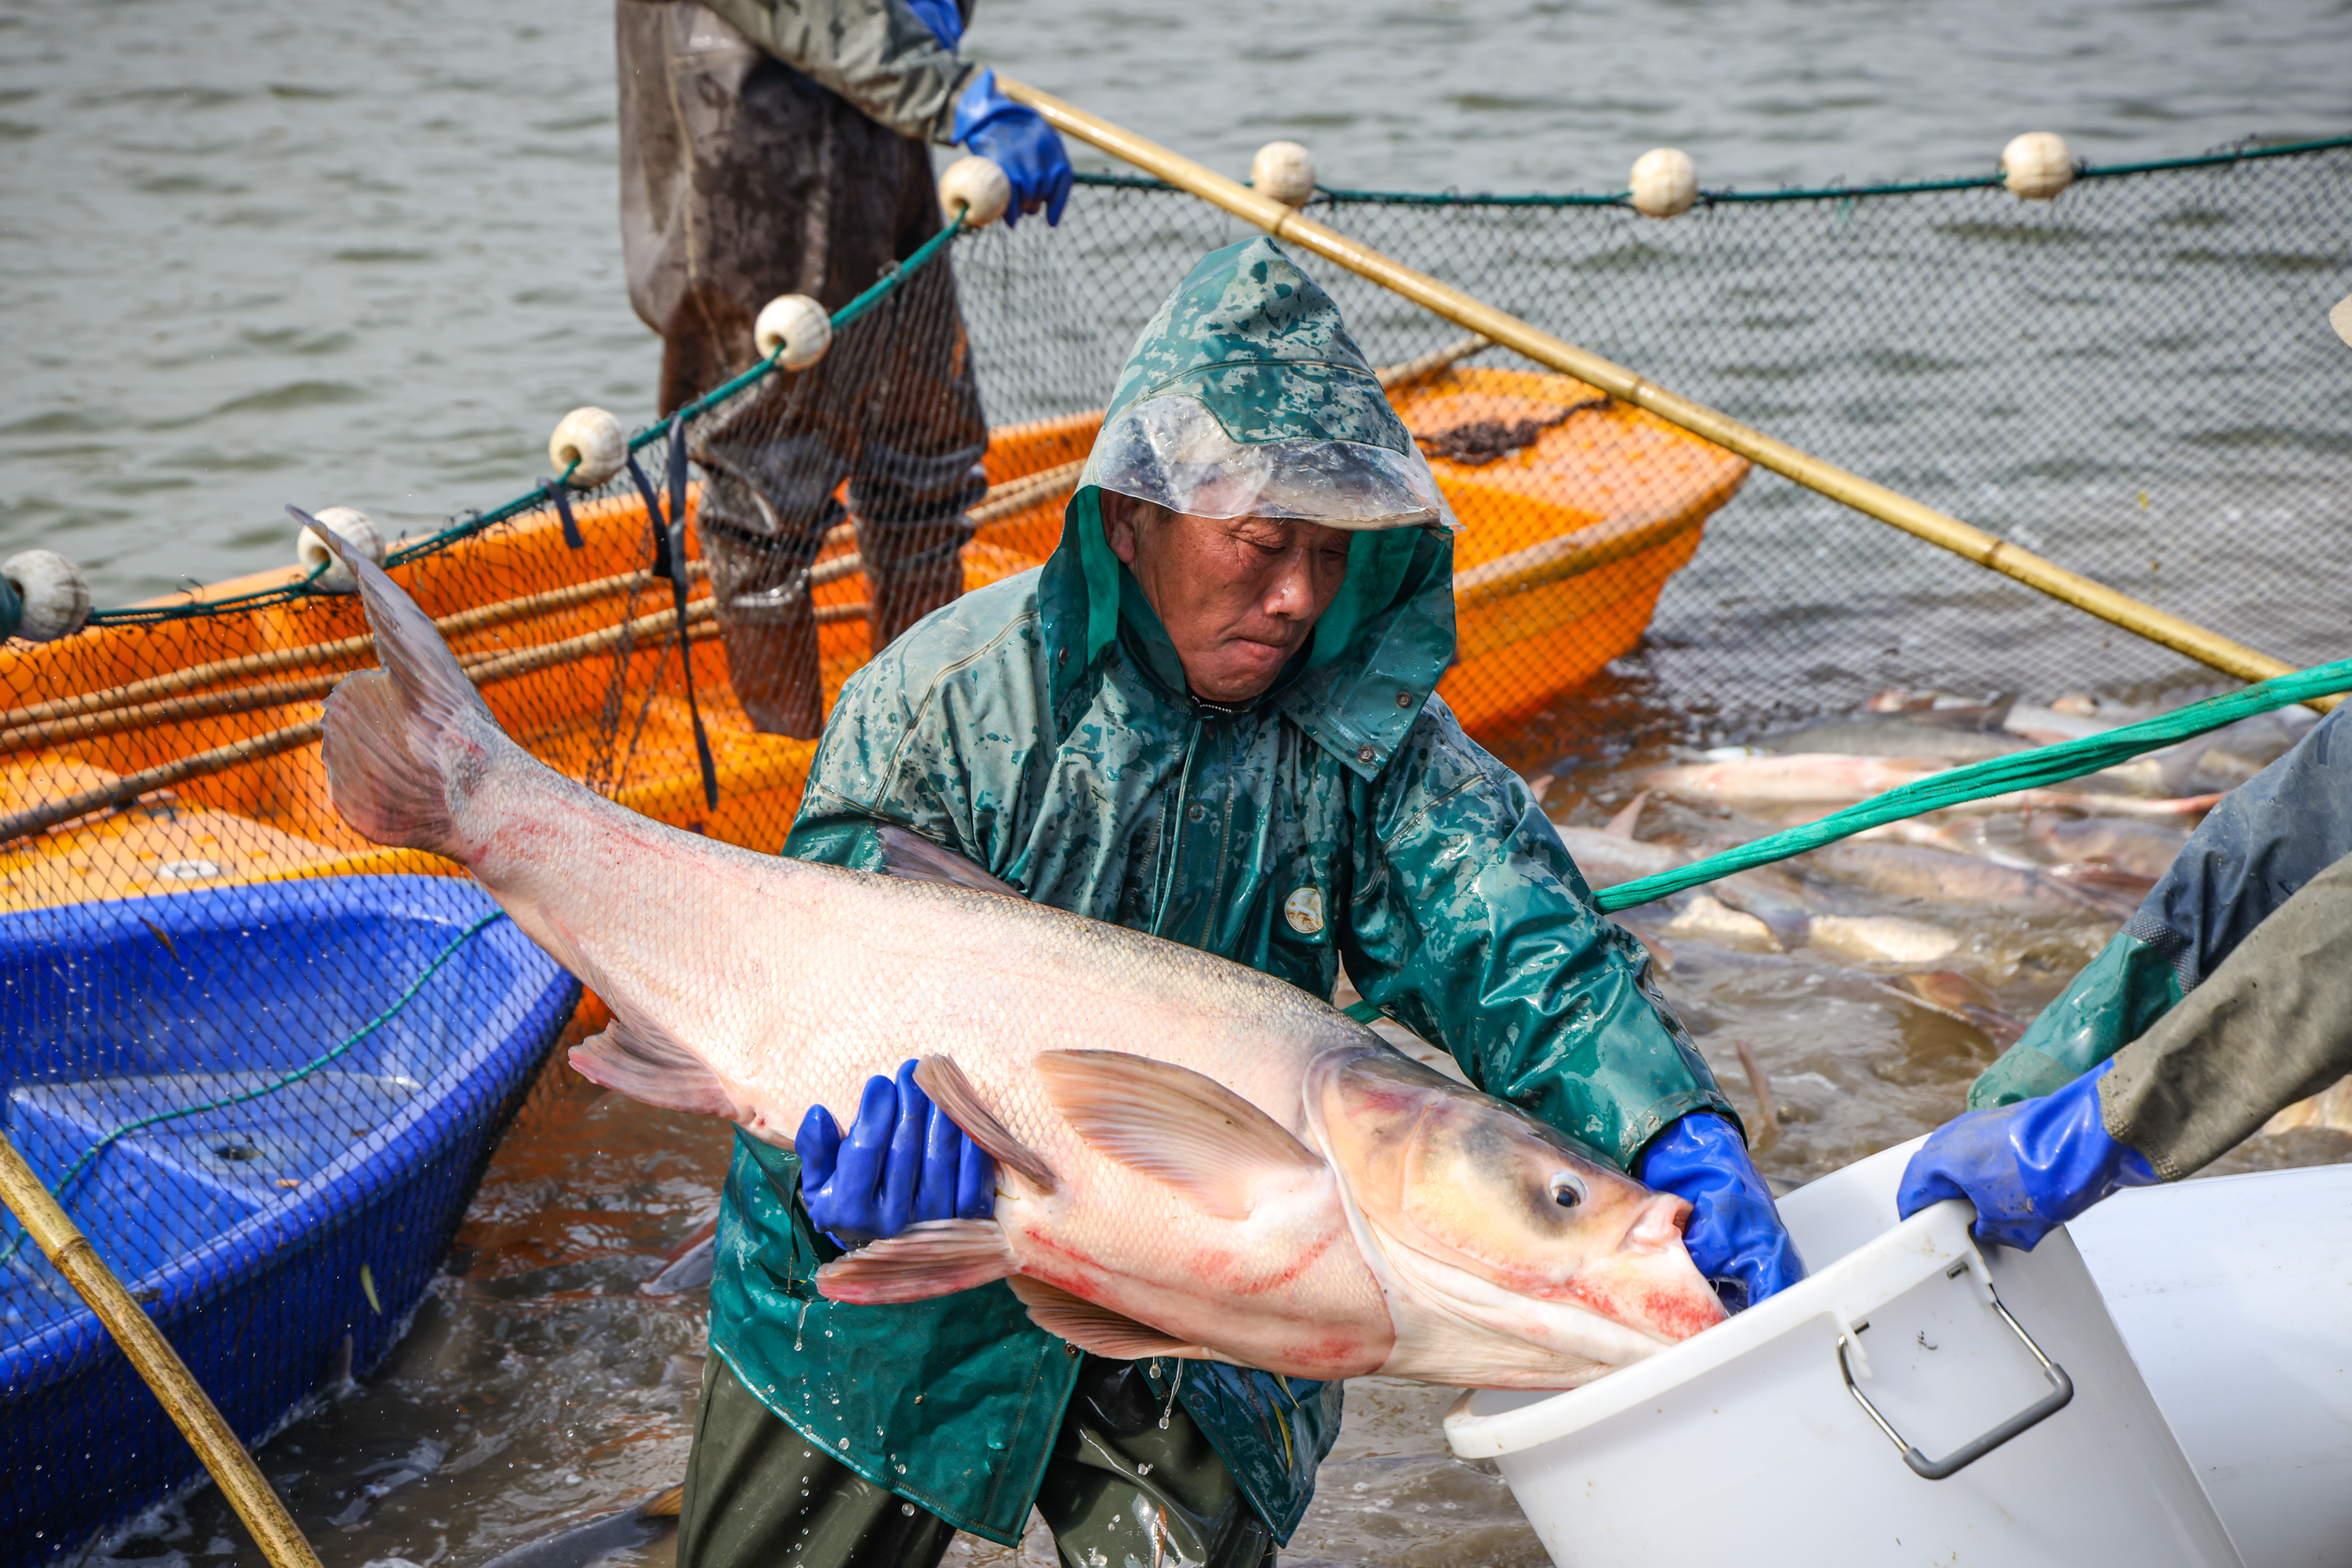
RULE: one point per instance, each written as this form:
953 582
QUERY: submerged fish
1898 738
2144 848
1883 939
1195 1159
1911 871
1607 860
1797 778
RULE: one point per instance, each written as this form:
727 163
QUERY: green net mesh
263 1061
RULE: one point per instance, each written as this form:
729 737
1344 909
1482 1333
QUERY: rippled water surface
259 252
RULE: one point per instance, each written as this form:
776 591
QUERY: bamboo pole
1866 495
177 1389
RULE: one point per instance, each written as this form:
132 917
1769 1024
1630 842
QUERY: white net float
979 187
354 527
1664 182
2340 318
53 596
2037 166
594 440
1285 170
796 324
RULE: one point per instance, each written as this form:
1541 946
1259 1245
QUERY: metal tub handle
2062 1391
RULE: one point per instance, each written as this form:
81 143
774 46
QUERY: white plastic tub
1746 1445
2235 1295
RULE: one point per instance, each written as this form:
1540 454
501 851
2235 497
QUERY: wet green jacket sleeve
2271 837
2270 1027
878 54
1468 923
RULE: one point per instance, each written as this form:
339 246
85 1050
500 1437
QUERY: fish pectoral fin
644 1062
910 856
1097 1329
1176 1125
940 1078
937 1258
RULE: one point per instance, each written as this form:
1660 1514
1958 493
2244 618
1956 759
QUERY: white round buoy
1664 182
2340 318
53 594
354 527
796 324
592 438
979 187
1285 170
2037 166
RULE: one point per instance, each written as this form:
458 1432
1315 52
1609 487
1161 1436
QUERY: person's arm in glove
1734 1236
2028 1167
902 1162
1017 139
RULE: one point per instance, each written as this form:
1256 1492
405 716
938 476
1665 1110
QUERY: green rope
74 1172
1827 193
2025 770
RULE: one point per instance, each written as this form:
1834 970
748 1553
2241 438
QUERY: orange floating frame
1566 541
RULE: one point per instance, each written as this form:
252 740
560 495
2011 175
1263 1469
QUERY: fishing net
262 1061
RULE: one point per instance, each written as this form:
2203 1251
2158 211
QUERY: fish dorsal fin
937 1258
940 1078
1623 823
644 1062
1097 1329
911 857
1175 1125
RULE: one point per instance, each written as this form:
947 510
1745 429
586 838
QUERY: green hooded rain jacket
1042 727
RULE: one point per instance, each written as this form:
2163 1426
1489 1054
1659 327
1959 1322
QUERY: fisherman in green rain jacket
1210 715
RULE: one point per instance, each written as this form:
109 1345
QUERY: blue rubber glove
1734 1236
902 1162
2029 1167
1019 141
943 17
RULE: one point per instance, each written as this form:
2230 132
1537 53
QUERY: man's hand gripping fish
1195 1160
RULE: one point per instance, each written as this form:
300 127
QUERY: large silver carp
1194 1159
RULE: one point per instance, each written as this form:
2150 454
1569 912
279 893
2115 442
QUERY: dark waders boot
1118 1489
911 569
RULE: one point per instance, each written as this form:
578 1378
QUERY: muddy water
539 1386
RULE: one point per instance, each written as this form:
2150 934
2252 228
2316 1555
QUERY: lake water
264 252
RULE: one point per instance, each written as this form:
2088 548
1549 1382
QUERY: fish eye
1566 1190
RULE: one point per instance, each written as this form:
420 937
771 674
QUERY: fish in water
1195 1160
1910 871
1956 996
1607 860
2143 848
1796 778
1883 939
1898 738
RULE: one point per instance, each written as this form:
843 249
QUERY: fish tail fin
385 727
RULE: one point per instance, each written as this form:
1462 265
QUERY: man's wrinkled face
1238 595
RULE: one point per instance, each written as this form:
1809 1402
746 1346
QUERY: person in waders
780 147
1211 716
2225 998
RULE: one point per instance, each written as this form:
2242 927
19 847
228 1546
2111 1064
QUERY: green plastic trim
2117 998
2024 770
